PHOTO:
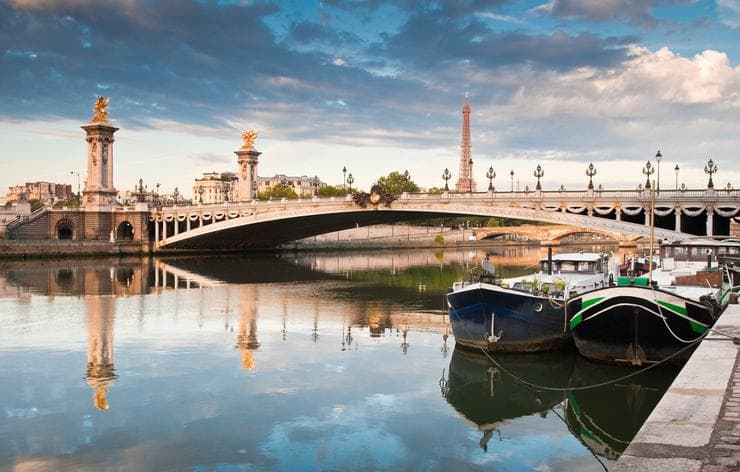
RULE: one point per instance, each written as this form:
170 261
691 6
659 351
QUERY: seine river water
308 361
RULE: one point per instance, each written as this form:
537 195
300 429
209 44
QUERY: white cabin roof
575 257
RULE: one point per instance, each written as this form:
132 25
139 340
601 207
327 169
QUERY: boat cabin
698 253
575 263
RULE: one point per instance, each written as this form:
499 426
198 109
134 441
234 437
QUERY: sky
374 86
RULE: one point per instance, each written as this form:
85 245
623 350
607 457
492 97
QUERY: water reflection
490 398
100 370
606 419
603 419
300 361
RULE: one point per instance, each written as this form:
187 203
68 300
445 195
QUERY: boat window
700 251
585 266
680 251
545 267
733 250
567 266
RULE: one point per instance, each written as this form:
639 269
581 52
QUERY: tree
395 183
435 190
331 191
277 192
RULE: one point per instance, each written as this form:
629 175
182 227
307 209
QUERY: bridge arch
125 231
64 229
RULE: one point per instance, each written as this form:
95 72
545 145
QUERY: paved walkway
696 425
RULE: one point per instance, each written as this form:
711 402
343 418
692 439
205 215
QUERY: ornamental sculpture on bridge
100 112
375 197
249 136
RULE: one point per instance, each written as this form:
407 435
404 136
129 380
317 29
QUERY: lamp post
710 168
658 157
590 172
200 195
512 179
470 177
538 172
78 184
406 178
676 169
446 176
315 183
176 193
350 181
491 174
344 173
648 170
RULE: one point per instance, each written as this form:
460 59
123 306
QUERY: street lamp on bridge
512 179
590 172
350 181
344 179
648 170
78 184
446 176
676 169
710 168
539 173
470 177
200 194
176 193
491 174
658 157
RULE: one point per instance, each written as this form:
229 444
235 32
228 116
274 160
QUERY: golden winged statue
100 113
249 136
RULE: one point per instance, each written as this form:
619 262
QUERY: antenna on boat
652 235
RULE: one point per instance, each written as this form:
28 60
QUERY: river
293 361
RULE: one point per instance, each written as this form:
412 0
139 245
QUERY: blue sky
375 86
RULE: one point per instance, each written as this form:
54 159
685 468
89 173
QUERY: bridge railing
607 197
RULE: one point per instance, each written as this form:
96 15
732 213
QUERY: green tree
71 203
332 191
435 190
395 183
277 192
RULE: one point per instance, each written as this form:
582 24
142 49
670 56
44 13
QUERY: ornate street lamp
350 181
538 172
729 187
491 174
562 188
648 170
683 187
590 172
176 193
446 176
512 179
200 194
78 184
470 177
658 157
639 187
227 188
344 173
710 168
676 169
406 175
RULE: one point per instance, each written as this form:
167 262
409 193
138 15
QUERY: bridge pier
710 221
549 243
677 212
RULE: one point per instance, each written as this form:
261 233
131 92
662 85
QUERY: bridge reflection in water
218 343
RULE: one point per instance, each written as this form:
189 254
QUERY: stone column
248 160
677 212
710 220
647 216
99 190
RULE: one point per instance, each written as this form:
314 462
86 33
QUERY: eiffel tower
465 182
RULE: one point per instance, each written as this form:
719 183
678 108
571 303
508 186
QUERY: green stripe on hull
587 303
578 317
575 321
678 309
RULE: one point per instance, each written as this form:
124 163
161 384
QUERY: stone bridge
261 224
551 235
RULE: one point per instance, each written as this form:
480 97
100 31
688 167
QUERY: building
216 187
303 186
47 192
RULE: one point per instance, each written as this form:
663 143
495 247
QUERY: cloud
637 12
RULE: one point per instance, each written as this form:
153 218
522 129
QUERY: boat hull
636 325
496 319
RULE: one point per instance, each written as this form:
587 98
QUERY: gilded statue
100 113
249 137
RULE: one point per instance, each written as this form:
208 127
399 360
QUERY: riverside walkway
696 425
